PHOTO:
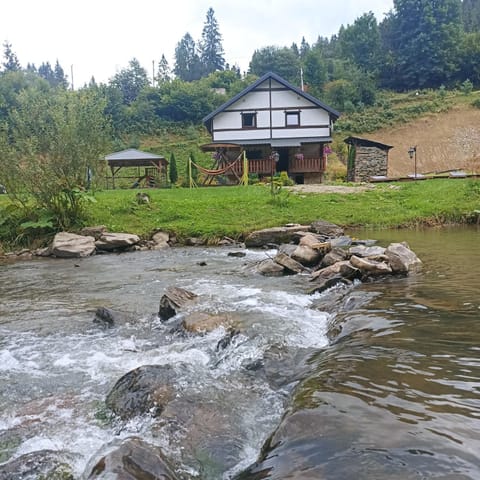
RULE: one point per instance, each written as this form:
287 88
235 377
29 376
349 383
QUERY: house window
249 120
292 119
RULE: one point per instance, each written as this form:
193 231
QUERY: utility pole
71 74
153 73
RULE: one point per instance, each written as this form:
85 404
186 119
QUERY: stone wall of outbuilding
369 162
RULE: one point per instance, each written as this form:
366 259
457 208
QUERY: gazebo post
113 178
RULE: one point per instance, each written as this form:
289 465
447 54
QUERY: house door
282 165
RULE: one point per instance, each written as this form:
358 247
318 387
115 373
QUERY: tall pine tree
163 74
211 49
187 62
11 63
60 77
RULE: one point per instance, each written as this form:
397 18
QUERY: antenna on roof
301 79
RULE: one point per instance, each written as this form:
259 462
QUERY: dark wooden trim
304 127
270 104
297 114
296 127
262 109
272 89
258 129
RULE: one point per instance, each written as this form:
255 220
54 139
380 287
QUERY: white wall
230 122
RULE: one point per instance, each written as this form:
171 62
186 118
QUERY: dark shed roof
134 158
364 142
278 79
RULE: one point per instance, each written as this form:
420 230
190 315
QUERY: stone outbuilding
366 159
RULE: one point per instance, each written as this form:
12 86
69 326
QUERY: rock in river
133 459
70 245
146 389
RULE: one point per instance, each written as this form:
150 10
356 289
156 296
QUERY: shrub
285 180
466 87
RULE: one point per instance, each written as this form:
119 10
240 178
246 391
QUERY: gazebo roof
134 158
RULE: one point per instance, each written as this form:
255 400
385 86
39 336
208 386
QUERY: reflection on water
387 384
397 393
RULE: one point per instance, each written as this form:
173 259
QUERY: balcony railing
305 165
263 166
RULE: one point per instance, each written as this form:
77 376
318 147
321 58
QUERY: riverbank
213 213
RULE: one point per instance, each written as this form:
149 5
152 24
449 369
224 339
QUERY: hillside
445 130
444 141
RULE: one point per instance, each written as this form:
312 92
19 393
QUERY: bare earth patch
329 188
444 141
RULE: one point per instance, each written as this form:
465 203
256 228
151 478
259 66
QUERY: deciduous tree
281 61
423 43
131 81
50 141
360 42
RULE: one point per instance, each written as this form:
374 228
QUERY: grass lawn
233 211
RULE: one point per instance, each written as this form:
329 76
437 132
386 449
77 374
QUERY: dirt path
329 188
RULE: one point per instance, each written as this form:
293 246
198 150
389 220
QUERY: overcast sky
99 37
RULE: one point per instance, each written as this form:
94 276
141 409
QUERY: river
378 381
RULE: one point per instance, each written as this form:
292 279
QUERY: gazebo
154 175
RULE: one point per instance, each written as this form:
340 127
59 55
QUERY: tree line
420 44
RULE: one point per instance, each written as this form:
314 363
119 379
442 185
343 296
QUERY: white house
274 121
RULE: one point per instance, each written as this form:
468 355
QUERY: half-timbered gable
274 119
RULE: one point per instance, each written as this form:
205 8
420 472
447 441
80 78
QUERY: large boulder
275 235
402 259
326 229
289 263
71 245
306 255
335 255
369 267
364 251
160 240
269 268
173 300
133 459
116 241
146 389
329 271
37 465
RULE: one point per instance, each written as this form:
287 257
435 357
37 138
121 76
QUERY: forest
50 134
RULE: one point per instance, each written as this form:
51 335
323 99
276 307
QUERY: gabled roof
280 80
133 154
364 142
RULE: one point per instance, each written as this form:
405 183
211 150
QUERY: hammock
218 171
211 173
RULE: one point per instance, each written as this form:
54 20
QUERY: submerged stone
146 389
133 459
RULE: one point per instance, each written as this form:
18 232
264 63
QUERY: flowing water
377 381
